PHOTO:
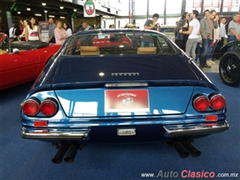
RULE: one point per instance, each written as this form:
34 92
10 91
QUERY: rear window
118 43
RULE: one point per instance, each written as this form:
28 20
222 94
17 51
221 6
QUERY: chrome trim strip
53 135
179 130
109 85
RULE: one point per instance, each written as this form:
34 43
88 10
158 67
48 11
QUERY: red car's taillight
48 107
217 102
201 103
30 107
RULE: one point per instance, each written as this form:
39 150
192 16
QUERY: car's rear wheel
229 68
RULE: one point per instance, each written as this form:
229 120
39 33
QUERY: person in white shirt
223 35
67 27
32 31
11 33
223 32
193 31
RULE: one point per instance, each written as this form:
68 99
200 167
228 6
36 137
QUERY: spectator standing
207 25
22 25
181 38
32 31
52 26
222 35
234 30
16 31
193 31
98 26
150 25
60 33
25 23
11 31
84 26
216 39
67 27
175 31
198 49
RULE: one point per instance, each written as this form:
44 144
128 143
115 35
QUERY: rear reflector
210 125
41 131
211 118
40 123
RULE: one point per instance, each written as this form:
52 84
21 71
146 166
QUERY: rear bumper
149 132
194 129
82 134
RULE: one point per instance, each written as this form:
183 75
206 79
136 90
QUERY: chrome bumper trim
55 135
194 129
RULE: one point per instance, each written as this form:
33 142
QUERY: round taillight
48 107
201 103
30 107
217 102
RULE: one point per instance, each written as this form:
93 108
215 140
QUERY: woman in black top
183 24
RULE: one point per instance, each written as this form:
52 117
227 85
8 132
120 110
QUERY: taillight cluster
216 101
33 106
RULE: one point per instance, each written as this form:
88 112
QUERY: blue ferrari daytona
121 86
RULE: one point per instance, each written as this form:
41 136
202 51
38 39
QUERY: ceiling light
51 16
75 10
45 11
38 15
44 4
28 9
19 12
61 7
61 17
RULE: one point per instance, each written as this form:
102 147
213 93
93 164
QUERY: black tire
229 68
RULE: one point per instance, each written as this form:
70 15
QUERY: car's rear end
119 99
122 104
122 98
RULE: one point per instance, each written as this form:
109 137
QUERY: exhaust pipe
57 159
193 150
180 149
72 151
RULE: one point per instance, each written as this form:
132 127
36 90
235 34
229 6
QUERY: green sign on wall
13 7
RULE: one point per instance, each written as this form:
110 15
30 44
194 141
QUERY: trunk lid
80 84
99 102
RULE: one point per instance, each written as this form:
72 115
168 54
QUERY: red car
22 61
115 40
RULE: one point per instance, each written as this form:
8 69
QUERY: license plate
126 101
126 132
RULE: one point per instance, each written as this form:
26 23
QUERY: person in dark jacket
181 38
84 26
16 31
150 24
